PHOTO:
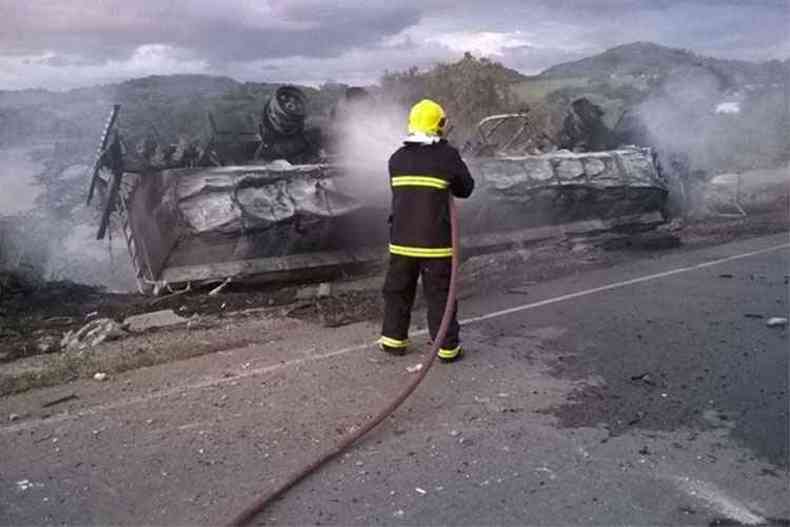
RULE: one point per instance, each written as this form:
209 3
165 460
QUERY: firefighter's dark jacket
421 175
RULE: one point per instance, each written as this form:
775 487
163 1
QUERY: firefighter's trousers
399 290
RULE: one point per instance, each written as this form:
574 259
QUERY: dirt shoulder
34 319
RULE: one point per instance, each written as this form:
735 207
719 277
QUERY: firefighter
423 174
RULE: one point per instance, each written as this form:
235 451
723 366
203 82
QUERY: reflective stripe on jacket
421 175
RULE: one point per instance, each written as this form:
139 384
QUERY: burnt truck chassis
280 222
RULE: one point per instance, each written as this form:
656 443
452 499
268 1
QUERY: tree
469 90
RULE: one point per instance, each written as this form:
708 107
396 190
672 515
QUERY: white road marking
350 349
618 285
718 501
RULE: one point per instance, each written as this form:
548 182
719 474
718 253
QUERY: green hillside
648 63
628 74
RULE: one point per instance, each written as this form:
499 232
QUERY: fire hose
253 510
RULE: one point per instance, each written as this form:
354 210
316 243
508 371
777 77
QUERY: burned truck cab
249 194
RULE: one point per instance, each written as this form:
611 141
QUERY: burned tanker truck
268 204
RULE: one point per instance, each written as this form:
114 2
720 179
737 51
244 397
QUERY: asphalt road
651 393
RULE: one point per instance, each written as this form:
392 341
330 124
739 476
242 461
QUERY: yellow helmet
426 117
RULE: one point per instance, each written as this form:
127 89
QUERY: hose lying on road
249 514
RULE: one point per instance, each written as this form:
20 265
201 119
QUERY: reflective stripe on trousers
393 343
449 353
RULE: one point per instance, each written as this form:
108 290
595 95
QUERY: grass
66 366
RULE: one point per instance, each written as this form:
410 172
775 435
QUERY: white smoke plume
366 133
46 231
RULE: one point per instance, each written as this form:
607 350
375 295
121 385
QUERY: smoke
46 232
24 240
677 118
366 132
692 116
18 179
703 124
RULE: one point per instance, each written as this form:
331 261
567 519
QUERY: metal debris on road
187 289
639 416
775 322
217 290
60 400
92 334
421 491
324 290
645 378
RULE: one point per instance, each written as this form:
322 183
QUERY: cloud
215 31
59 44
60 73
486 43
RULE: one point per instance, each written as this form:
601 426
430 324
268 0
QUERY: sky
64 44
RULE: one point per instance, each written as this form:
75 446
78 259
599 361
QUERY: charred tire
285 111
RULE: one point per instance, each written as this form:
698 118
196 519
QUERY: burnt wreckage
263 205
